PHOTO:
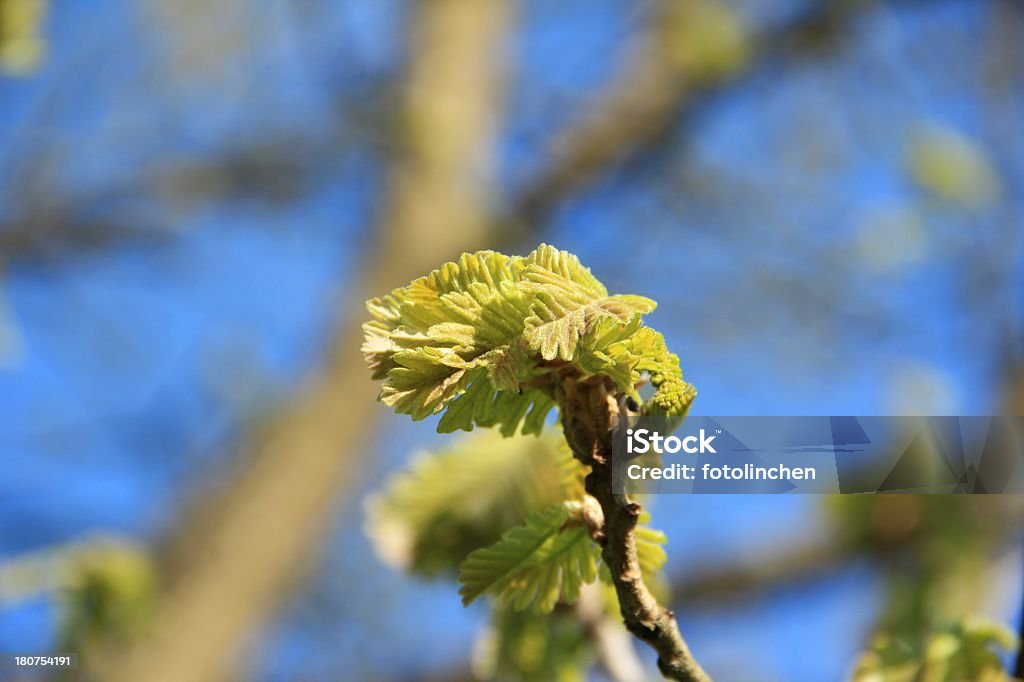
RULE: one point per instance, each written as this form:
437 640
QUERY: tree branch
643 102
238 555
731 582
634 110
590 413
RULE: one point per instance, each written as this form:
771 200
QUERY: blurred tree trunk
237 558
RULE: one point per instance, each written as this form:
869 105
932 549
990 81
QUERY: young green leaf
535 565
650 548
451 502
568 301
482 404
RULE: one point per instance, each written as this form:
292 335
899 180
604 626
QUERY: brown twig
590 413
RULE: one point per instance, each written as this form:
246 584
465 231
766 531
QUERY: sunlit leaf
650 548
535 565
449 503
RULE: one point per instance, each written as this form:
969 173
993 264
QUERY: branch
633 111
733 581
237 559
642 104
589 416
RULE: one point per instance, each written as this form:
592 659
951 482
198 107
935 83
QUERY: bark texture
590 413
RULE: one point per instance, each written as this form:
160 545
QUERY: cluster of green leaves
486 341
463 497
968 651
477 338
507 515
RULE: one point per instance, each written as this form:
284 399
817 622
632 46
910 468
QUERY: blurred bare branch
722 584
243 546
661 80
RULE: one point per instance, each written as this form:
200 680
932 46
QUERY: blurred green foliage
952 167
109 594
934 551
515 507
968 651
706 39
22 45
449 503
533 647
104 588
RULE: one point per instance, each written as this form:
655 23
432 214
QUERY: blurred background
826 198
